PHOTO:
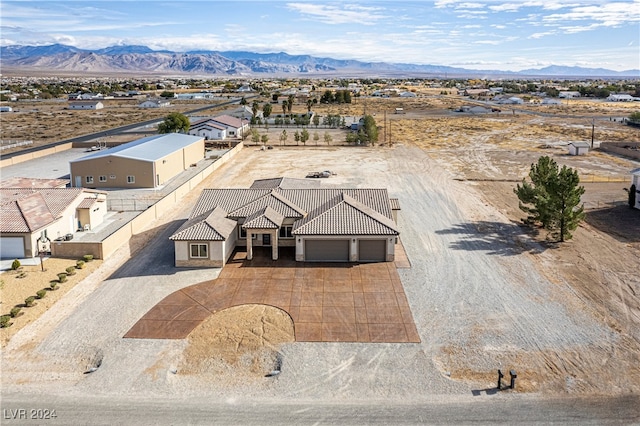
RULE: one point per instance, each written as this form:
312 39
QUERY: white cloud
347 14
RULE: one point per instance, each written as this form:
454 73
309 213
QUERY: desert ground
485 292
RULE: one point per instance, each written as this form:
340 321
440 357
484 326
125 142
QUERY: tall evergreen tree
552 198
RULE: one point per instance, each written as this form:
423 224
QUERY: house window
89 179
199 251
131 179
243 233
102 178
285 232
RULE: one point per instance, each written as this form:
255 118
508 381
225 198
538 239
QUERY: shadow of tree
496 238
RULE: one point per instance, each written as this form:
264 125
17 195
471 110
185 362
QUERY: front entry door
266 239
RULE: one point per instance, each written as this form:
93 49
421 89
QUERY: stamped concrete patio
337 302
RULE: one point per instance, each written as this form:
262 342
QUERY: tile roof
31 183
87 203
267 218
395 204
317 211
27 210
285 183
209 226
228 120
344 215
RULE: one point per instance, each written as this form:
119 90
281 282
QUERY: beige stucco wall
32 155
141 222
147 174
116 167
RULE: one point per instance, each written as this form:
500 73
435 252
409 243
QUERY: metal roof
151 148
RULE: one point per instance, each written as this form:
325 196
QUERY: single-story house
155 103
32 217
235 127
474 109
635 180
578 148
407 95
324 225
568 94
6 109
144 163
550 101
620 98
86 105
208 129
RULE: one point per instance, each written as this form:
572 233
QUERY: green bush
88 257
4 321
41 293
71 270
62 277
15 312
29 301
15 264
53 284
80 264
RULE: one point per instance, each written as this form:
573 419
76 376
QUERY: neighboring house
208 129
568 95
578 148
235 127
324 225
407 95
635 180
620 98
474 109
32 217
86 105
144 163
550 101
242 112
6 109
26 183
155 103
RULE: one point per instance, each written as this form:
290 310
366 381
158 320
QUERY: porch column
274 245
249 247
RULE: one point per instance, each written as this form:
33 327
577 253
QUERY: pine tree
552 198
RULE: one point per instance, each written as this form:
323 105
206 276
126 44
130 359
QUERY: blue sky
497 34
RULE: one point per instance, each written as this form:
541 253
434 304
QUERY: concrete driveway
337 302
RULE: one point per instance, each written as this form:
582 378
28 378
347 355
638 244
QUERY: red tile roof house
208 129
324 225
29 212
235 127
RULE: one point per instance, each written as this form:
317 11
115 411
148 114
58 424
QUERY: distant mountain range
60 59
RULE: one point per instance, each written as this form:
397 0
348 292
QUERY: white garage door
326 250
12 247
372 250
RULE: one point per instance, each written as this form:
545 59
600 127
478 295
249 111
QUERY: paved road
499 409
111 132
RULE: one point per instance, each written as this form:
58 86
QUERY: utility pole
593 129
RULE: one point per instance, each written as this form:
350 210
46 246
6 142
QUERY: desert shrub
88 257
21 274
62 277
29 301
71 270
53 284
15 264
41 293
15 312
5 321
80 264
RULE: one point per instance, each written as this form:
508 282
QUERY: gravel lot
478 300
